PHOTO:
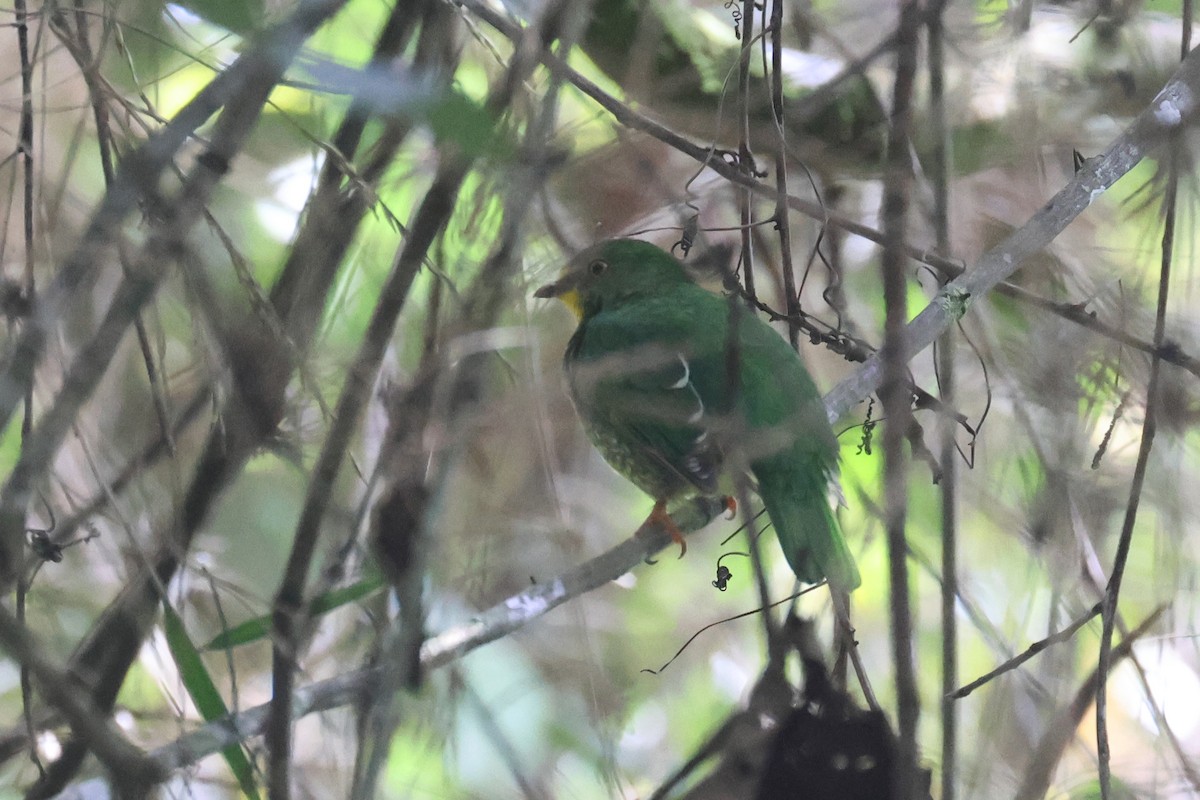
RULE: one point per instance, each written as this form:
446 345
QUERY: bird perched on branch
683 392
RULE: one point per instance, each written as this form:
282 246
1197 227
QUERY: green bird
651 370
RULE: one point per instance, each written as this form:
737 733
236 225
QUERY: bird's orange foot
659 518
730 506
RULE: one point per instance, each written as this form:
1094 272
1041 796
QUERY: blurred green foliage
525 497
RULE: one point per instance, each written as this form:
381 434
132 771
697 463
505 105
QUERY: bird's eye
598 266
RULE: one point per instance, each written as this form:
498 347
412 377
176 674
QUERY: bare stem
897 399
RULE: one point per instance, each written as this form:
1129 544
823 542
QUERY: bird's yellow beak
565 292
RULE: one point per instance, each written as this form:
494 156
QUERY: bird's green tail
798 504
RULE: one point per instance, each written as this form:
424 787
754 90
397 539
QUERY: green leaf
238 16
204 694
259 628
456 118
1091 791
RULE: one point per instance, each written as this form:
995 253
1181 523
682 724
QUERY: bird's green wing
634 374
793 455
778 396
654 376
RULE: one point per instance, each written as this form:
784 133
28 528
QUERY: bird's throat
573 301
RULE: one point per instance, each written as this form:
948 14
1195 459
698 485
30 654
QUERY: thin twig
733 354
518 610
531 788
1061 636
26 679
1049 749
399 644
148 457
25 147
791 299
940 170
745 162
710 747
1149 427
897 400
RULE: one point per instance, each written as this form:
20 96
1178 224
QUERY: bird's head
611 272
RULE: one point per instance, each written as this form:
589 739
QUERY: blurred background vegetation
427 161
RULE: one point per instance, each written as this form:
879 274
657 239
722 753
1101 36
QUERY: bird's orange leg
659 518
730 506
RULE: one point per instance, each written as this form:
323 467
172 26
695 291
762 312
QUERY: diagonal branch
495 623
1174 107
1149 427
129 766
1049 749
1065 635
1185 78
